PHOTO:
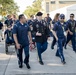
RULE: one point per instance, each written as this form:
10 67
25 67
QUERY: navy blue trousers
53 42
60 45
20 54
72 38
41 47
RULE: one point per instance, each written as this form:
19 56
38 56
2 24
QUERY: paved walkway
52 64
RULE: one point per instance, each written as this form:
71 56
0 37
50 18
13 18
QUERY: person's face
39 17
14 16
47 15
71 17
62 19
23 19
45 19
9 16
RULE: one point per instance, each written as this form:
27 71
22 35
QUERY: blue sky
23 4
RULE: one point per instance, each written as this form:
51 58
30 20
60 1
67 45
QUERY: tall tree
9 7
32 10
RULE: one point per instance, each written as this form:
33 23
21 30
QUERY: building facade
51 5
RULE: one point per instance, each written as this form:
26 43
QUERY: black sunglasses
62 18
71 16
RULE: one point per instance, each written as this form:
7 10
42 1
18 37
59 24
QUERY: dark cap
62 16
39 14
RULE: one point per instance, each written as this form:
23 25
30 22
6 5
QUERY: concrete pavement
52 64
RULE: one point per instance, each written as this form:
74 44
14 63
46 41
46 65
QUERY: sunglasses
71 16
62 18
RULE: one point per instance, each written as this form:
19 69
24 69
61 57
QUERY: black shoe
6 51
65 47
41 62
57 55
74 51
63 62
20 64
28 66
2 39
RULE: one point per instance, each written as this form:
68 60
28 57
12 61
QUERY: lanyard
9 33
62 25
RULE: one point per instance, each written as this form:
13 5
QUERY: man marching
41 32
59 33
20 33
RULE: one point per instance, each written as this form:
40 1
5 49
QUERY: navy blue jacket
71 25
22 33
60 29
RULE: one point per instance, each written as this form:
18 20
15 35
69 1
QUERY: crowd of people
34 33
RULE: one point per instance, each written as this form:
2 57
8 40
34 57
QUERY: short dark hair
20 16
72 14
47 13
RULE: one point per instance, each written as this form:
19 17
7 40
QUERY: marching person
45 19
59 33
30 23
20 33
56 19
31 20
41 32
49 20
9 21
14 19
8 34
71 23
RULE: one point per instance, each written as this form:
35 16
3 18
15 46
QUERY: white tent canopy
65 10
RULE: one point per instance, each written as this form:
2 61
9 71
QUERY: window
47 7
66 2
52 2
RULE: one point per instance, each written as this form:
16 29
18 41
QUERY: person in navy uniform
41 32
21 31
71 23
9 21
14 19
45 19
56 19
30 23
59 33
31 20
49 20
8 34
